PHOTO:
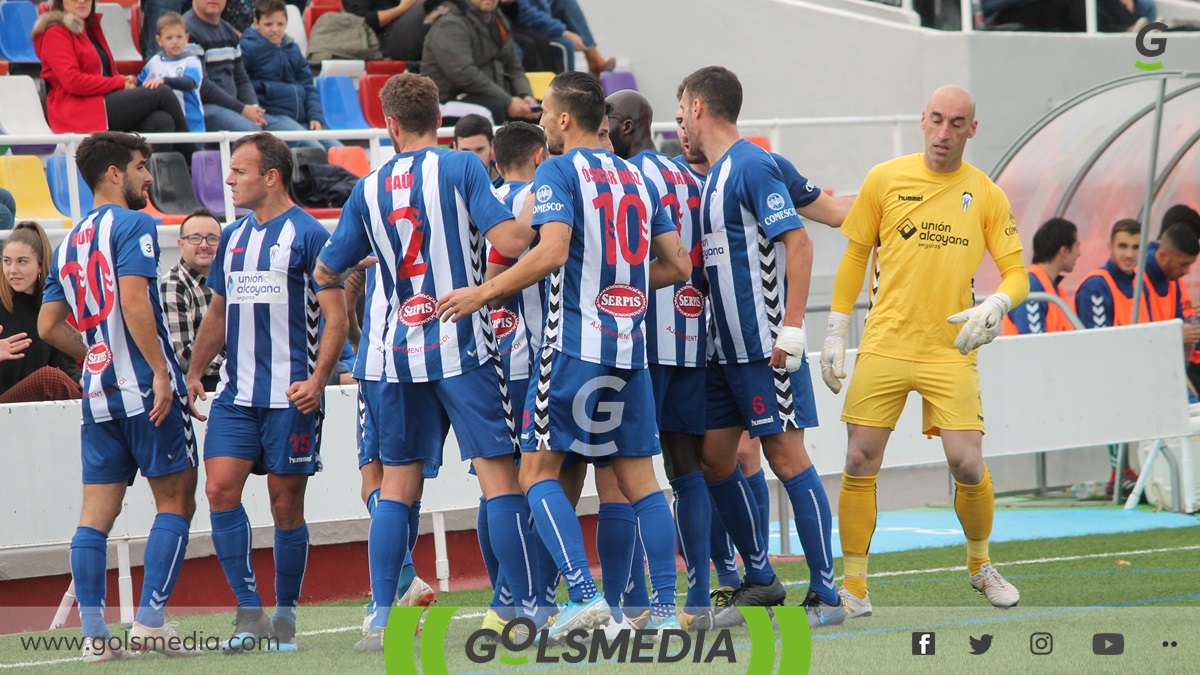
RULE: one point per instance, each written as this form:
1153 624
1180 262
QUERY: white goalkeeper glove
833 352
793 341
982 323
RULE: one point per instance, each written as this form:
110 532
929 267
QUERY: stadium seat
135 25
114 21
617 80
352 68
761 141
539 82
163 218
56 175
207 181
171 192
16 25
22 114
368 98
127 3
295 28
314 12
24 176
328 3
340 103
351 158
306 156
386 67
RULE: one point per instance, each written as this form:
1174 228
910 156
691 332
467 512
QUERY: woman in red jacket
85 91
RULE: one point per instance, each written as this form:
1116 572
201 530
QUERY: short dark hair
198 213
1182 213
1181 238
473 125
108 148
1126 225
515 143
266 7
1051 237
411 100
580 95
719 88
273 154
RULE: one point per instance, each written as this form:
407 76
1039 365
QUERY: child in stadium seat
181 72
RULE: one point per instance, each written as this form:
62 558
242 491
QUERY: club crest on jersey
544 194
417 310
622 301
271 253
774 201
966 200
689 302
504 322
98 358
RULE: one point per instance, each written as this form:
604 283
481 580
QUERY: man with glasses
185 296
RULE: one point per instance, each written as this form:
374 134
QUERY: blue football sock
813 525
559 527
636 595
762 497
408 572
291 557
372 501
508 520
735 503
386 544
485 547
502 599
166 548
547 574
89 569
722 553
616 528
654 519
231 540
693 525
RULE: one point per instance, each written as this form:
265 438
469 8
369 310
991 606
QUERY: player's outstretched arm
672 264
306 394
550 254
141 324
831 211
209 341
790 343
511 237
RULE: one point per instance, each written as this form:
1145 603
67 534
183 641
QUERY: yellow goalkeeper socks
856 525
976 506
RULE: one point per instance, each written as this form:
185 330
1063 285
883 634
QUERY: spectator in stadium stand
470 55
1112 16
185 292
152 10
85 93
562 21
35 371
1055 250
8 206
400 25
473 133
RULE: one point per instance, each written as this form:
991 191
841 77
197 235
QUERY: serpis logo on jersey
689 302
98 358
417 310
622 301
544 193
775 201
504 322
966 199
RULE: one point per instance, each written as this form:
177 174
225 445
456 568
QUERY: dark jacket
225 81
72 71
23 319
463 54
281 78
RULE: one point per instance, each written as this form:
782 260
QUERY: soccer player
424 215
105 277
931 215
758 375
598 220
267 411
1055 250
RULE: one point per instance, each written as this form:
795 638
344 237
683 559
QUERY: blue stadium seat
56 174
16 25
340 102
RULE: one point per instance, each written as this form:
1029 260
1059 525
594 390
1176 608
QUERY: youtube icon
1108 644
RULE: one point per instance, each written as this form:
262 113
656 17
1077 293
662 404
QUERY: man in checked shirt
185 296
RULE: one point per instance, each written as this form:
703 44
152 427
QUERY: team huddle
606 304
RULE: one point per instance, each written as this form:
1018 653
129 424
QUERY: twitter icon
980 645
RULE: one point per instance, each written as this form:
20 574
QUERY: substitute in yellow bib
929 217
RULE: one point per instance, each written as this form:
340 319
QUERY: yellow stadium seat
24 177
539 82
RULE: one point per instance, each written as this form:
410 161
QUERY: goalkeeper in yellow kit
929 216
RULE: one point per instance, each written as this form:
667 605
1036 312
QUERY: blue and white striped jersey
597 301
272 319
676 325
519 324
110 243
745 207
423 214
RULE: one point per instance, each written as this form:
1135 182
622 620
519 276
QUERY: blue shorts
113 451
366 435
281 441
416 416
592 410
680 399
745 395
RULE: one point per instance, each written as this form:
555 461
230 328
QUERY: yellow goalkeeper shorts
879 387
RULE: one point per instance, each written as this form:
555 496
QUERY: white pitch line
26 664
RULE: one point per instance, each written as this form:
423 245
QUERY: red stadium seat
368 98
328 3
761 141
386 67
314 12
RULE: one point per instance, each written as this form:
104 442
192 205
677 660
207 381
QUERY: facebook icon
923 644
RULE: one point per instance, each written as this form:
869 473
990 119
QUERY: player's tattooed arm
53 327
672 264
550 254
326 276
355 284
